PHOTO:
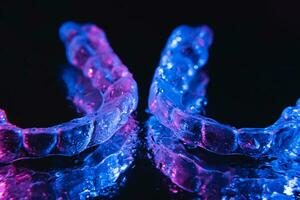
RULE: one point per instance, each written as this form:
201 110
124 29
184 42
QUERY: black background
254 64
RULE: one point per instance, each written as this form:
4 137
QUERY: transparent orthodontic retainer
178 129
106 94
177 98
104 91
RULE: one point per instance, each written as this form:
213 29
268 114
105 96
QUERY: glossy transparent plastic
101 88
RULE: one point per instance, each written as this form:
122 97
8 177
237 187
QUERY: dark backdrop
254 63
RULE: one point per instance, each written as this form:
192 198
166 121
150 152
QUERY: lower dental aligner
101 88
177 100
101 173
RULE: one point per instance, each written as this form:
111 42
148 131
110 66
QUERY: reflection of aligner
105 92
100 174
185 170
177 98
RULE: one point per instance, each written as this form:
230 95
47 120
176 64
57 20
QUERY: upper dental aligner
106 94
177 128
177 98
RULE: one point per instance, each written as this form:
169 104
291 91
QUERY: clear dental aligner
100 175
106 94
209 180
177 98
